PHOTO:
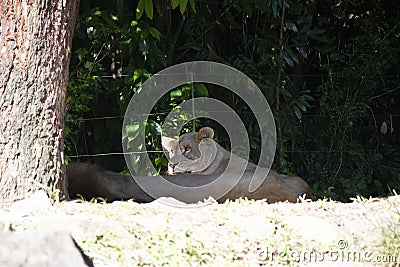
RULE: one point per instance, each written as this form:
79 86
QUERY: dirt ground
235 233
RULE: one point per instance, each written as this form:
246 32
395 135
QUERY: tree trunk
35 48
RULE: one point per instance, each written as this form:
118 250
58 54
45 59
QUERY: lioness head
191 152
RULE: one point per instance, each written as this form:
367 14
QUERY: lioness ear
205 132
167 142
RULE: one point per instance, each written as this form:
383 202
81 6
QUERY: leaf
315 31
292 55
274 8
148 6
143 46
291 26
300 20
155 33
287 58
163 161
82 52
301 106
144 33
253 144
317 38
140 73
140 9
314 34
308 97
261 5
286 93
175 3
302 52
183 5
176 94
201 89
132 128
304 102
297 112
111 22
88 64
193 6
154 127
286 4
137 74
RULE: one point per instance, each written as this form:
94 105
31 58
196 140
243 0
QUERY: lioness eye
186 149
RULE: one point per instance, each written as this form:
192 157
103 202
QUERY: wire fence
288 75
162 152
245 112
389 119
381 117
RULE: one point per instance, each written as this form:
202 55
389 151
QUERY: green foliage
146 6
329 71
112 58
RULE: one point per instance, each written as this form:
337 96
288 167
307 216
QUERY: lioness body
201 156
198 153
88 181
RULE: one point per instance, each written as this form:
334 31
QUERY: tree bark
35 48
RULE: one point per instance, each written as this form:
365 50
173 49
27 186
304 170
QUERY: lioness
201 156
198 153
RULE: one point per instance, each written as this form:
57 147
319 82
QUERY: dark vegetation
329 70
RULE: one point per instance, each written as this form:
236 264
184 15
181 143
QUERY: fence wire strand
245 112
